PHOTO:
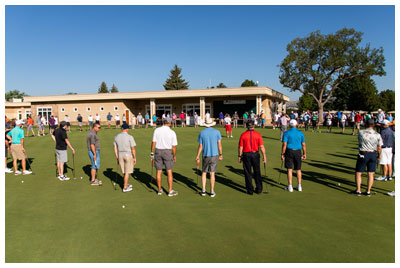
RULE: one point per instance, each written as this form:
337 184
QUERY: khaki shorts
126 164
16 152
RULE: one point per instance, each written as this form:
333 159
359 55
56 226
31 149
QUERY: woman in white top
196 118
188 120
133 122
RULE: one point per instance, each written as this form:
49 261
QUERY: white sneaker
381 178
299 188
26 172
61 178
17 172
66 178
289 188
8 170
212 194
128 189
231 136
391 193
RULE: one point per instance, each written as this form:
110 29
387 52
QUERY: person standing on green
245 117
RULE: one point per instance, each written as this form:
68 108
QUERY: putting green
47 220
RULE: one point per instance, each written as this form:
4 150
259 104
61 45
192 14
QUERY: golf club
55 162
151 178
197 172
280 172
73 164
265 175
116 177
97 173
30 167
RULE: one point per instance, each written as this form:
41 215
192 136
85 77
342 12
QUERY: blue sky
61 49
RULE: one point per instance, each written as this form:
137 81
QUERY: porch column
258 104
152 109
284 107
202 109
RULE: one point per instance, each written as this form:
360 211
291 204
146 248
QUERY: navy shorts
293 159
366 160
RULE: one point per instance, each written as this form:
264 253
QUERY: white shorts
386 156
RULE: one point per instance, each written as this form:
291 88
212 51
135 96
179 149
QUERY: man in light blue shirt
292 143
16 136
211 146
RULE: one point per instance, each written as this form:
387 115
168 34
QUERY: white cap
293 123
386 122
19 122
379 110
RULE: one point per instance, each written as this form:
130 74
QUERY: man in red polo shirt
250 144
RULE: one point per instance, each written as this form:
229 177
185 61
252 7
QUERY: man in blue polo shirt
16 136
292 143
210 144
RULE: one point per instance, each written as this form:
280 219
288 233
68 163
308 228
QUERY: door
127 112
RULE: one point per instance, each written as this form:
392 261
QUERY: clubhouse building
201 101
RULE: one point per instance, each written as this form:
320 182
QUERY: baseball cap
125 126
386 122
250 124
293 123
19 122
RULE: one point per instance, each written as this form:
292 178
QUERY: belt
367 151
386 147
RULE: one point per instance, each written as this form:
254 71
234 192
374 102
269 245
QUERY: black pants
252 160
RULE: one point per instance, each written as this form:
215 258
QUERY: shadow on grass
146 179
343 156
271 138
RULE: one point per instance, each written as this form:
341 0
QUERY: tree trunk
320 112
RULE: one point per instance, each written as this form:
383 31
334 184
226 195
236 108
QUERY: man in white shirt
90 119
228 126
164 143
343 122
66 119
117 121
97 118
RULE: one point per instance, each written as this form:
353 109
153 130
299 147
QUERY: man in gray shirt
93 145
124 149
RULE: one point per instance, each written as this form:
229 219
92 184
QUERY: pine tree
114 89
103 88
175 81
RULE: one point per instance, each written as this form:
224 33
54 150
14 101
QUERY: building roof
17 104
165 94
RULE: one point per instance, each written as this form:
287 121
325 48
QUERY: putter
73 164
280 173
30 167
97 173
197 172
151 178
55 162
266 183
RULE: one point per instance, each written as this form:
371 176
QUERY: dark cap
63 124
370 123
125 126
250 124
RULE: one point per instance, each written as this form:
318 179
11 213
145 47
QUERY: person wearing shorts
140 120
147 120
39 124
211 148
52 124
60 137
292 143
117 121
369 143
90 121
124 150
79 119
250 145
93 145
16 137
228 126
164 143
328 118
97 118
174 117
7 145
386 156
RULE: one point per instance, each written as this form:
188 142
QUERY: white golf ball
123 206
338 184
22 181
81 177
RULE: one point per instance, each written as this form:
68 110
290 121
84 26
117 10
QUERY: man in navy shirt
211 146
292 143
386 156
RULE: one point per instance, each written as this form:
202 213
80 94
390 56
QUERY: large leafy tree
103 88
113 89
221 85
306 102
359 93
248 83
16 94
317 64
387 99
175 80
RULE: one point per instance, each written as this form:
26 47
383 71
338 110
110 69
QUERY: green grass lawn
47 220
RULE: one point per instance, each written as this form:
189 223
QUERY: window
27 112
88 109
75 109
19 114
191 108
62 109
101 108
44 111
115 108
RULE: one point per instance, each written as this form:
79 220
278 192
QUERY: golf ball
338 184
123 206
81 177
22 181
